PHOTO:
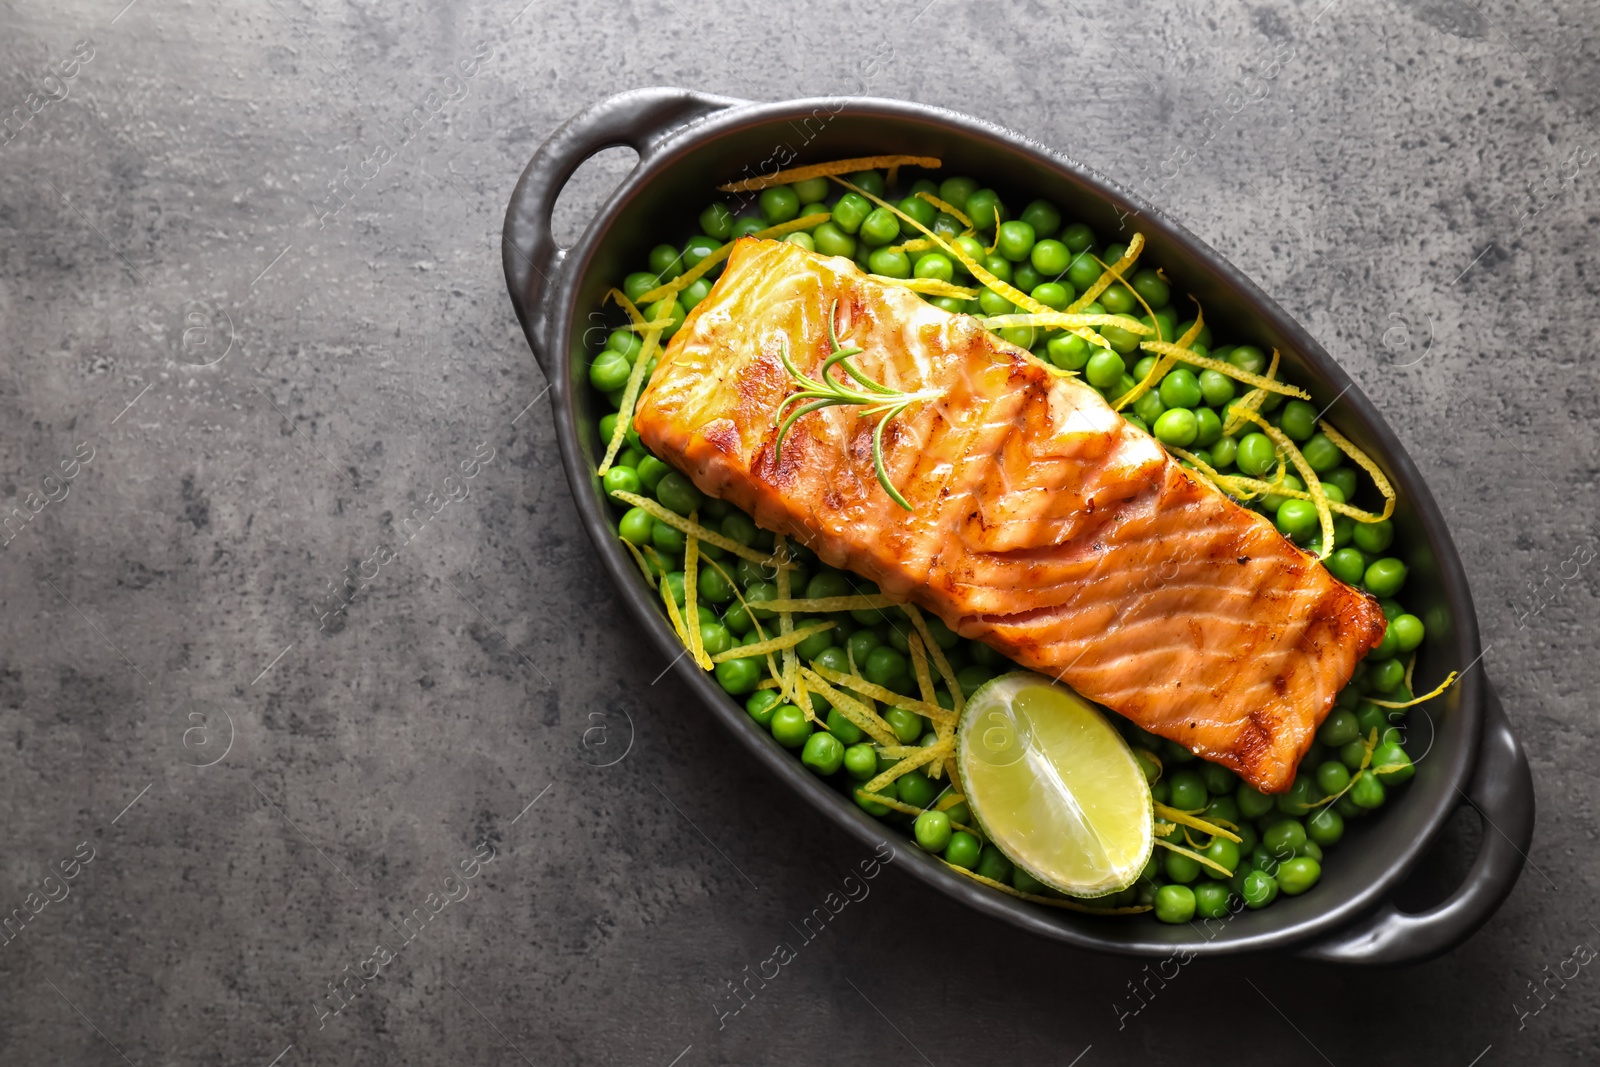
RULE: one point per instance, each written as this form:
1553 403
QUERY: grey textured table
247 385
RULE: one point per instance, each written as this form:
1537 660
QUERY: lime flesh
1054 785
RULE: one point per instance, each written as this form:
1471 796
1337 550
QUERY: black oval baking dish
688 143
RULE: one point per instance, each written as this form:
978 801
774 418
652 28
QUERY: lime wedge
1054 786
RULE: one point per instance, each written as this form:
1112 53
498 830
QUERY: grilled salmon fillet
1043 523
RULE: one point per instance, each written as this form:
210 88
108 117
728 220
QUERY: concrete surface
246 399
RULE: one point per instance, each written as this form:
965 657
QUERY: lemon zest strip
908 764
869 721
828 170
929 286
1437 690
948 209
1183 818
772 644
1313 483
1198 857
687 526
1362 460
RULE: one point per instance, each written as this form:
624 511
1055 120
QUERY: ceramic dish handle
1502 792
641 119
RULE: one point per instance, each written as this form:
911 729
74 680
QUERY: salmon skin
1042 522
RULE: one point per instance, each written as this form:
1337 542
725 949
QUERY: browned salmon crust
1045 525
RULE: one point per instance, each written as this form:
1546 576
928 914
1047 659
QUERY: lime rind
1054 786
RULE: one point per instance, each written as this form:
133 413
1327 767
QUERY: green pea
1153 287
1049 257
889 263
1150 408
810 190
1208 428
1326 827
1177 427
955 191
1297 520
1077 237
1068 351
963 850
762 703
880 227
1321 453
984 208
1223 852
626 342
1083 271
1284 838
992 864
992 303
916 789
1175 903
1374 537
609 371
1015 240
1118 299
1391 765
1216 388
860 760
636 527
1224 450
1386 675
1222 807
790 727
713 587
1258 890
822 753
1332 777
651 472
1385 577
1408 631
677 493
1257 454
803 240
1104 368
779 203
693 293
669 308
936 266
1021 336
1248 358
919 209
1115 252
1367 792
871 807
1180 868
717 221
1133 420
740 676
666 262
1219 780
884 665
907 725
1298 875
851 211
830 240
1211 900
667 539
1298 420
1348 565
932 830
861 643
1299 796
1339 728
1042 216
1252 803
747 227
834 658
1189 791
869 181
970 678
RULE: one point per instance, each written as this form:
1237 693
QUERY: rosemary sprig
873 398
